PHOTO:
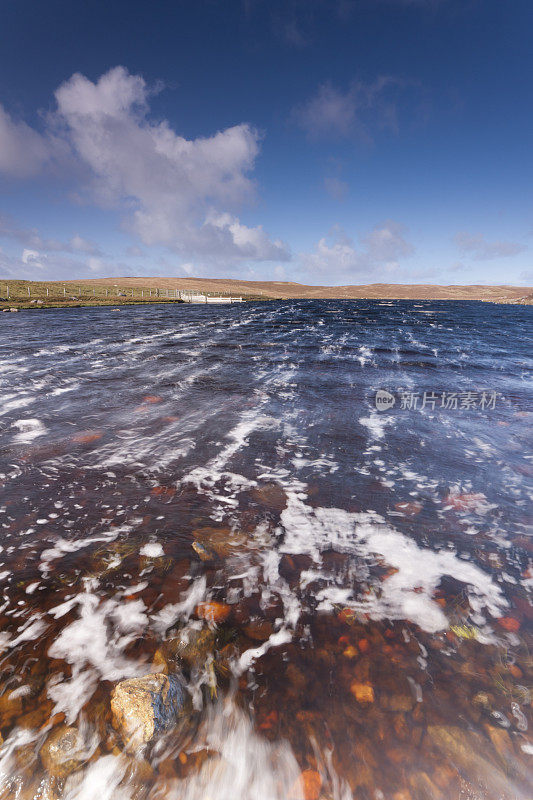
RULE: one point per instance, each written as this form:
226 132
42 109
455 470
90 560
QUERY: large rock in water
142 707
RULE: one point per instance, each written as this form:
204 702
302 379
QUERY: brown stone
465 751
213 612
259 630
10 707
271 496
192 647
223 541
144 706
63 752
397 702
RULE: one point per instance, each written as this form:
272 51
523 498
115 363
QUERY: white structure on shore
193 297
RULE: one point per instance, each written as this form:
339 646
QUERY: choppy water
376 564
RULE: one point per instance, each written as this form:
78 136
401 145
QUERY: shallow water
376 565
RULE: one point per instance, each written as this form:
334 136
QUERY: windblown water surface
353 584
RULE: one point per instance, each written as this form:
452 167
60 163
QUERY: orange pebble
350 652
363 645
464 502
307 787
152 398
86 437
213 612
164 491
269 721
183 758
363 692
409 509
509 624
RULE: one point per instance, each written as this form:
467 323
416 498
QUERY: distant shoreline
124 291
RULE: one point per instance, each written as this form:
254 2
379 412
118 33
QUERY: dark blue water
252 431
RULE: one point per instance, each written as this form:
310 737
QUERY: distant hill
291 290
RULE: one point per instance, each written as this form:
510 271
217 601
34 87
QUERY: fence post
64 291
29 294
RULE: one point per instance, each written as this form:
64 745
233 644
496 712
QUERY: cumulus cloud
481 249
359 111
176 188
173 191
338 255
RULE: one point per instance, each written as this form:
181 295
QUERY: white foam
101 779
94 645
30 429
376 424
152 550
407 594
249 656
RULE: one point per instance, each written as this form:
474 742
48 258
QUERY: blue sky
320 141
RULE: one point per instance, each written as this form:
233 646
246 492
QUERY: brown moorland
291 290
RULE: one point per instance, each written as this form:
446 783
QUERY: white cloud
80 245
31 257
23 151
481 249
386 243
173 191
337 255
359 111
176 188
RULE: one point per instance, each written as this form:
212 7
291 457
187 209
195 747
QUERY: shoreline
17 305
129 290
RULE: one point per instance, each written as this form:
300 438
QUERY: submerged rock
363 692
271 496
307 787
142 707
220 542
259 630
213 612
63 752
10 706
189 647
397 702
464 750
204 553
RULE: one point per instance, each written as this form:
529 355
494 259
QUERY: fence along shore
39 293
